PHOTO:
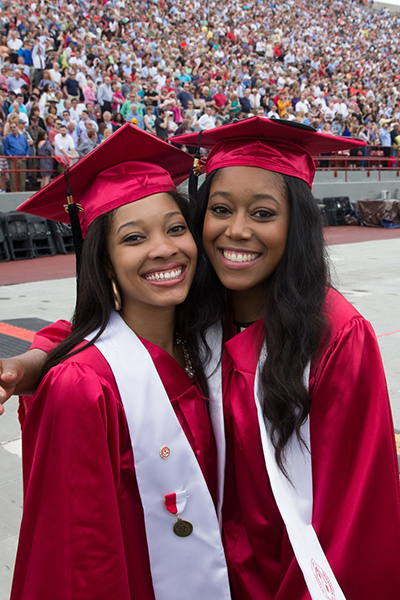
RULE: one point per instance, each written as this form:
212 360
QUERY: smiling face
245 227
152 252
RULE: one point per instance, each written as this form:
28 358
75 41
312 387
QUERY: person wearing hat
311 505
120 479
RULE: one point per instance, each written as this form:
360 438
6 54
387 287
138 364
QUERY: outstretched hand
11 373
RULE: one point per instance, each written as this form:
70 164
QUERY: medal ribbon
175 503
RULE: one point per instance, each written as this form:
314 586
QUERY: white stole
294 499
192 567
213 372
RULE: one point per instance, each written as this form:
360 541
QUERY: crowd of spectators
73 72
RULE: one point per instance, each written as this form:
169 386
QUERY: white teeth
233 257
165 275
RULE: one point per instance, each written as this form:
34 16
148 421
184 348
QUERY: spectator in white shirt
303 105
14 83
64 145
273 113
340 108
71 130
55 73
39 61
76 110
206 121
14 43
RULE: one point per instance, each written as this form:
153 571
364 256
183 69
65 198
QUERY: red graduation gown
355 472
82 533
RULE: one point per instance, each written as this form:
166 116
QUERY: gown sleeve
46 339
71 543
49 337
355 472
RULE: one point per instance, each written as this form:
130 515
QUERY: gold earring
116 295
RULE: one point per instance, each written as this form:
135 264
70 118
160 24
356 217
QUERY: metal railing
374 160
30 168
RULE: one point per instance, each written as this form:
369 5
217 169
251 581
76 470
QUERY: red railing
375 160
15 170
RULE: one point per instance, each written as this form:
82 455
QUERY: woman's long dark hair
294 317
95 299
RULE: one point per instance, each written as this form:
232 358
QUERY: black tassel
72 210
194 175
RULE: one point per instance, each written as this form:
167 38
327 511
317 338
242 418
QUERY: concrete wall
392 5
10 201
358 185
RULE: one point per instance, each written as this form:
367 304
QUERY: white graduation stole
182 567
294 499
213 373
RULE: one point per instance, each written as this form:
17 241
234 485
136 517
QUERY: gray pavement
367 274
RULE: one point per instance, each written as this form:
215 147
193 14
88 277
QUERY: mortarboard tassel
72 210
195 172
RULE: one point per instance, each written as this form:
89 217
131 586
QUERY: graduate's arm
18 375
71 542
355 470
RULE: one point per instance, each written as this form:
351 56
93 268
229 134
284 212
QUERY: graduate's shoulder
339 313
84 378
49 337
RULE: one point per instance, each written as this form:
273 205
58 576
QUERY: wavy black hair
95 299
295 324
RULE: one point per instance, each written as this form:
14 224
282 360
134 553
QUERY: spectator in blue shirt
136 116
16 144
26 52
185 96
245 102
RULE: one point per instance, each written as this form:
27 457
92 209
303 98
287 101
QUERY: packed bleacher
73 72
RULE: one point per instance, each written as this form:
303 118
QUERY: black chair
62 236
42 240
4 253
336 209
16 231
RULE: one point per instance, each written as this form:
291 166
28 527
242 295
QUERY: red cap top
128 166
280 146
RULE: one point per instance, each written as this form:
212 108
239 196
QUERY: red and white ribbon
175 503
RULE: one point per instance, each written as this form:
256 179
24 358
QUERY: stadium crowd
73 72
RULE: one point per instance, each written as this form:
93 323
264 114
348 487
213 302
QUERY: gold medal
182 528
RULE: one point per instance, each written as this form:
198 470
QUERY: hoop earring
116 295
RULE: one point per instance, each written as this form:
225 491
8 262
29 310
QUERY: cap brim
129 143
271 129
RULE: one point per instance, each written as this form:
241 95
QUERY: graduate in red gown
311 505
119 457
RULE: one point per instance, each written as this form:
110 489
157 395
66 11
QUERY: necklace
241 326
186 357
